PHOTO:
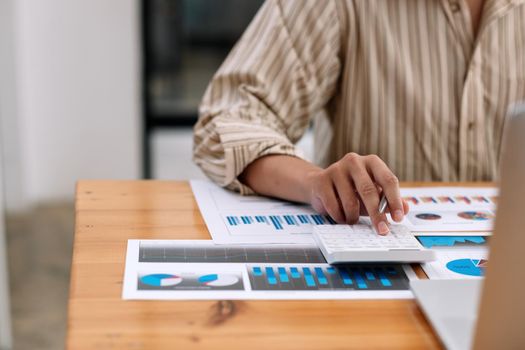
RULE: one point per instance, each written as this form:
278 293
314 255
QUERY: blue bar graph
271 276
231 220
345 276
361 284
283 276
276 222
384 280
369 275
320 276
290 220
303 219
310 282
279 222
318 219
330 220
294 271
451 241
307 277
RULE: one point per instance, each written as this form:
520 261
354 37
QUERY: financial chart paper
196 270
450 209
235 219
458 257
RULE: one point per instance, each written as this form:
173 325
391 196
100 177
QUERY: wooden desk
108 213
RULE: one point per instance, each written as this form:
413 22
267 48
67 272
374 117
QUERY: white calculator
360 243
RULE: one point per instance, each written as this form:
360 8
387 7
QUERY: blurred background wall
70 108
71 96
94 89
5 311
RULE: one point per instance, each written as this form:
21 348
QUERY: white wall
6 60
5 308
10 135
77 96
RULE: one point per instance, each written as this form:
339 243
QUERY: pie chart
428 216
218 280
475 215
161 280
468 267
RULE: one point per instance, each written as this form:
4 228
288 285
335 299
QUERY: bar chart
202 270
452 241
325 277
235 219
278 222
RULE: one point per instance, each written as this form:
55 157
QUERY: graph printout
235 219
196 270
458 257
450 209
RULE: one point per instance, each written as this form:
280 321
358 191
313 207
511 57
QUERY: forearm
280 176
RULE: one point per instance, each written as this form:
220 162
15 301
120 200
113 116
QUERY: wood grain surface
108 213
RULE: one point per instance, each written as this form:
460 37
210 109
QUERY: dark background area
184 43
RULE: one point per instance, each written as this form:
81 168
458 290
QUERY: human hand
353 186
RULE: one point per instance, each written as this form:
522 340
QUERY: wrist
308 182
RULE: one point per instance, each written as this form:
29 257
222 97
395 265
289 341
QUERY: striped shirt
408 80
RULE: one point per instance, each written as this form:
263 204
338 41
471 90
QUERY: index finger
369 195
390 186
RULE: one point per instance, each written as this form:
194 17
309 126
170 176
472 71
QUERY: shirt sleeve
283 70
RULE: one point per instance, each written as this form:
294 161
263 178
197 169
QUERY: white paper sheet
459 257
450 209
197 270
235 219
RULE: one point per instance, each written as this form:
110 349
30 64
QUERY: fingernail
398 215
382 228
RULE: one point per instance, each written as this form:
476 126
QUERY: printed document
195 270
235 219
458 257
450 209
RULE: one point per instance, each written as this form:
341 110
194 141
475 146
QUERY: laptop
489 313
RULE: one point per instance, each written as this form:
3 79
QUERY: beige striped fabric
407 80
